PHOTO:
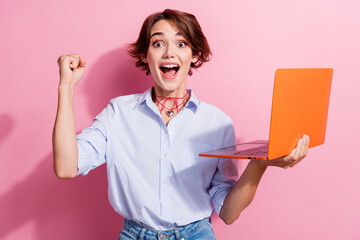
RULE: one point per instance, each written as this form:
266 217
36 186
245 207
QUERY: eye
157 44
181 44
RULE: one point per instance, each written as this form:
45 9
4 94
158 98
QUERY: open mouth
169 70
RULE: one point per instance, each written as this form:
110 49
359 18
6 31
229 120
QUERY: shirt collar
192 103
144 96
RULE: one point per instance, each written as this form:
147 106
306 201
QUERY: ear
143 58
195 58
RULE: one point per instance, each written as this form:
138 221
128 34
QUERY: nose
169 51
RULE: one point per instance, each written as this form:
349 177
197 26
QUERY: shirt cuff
85 161
219 197
82 166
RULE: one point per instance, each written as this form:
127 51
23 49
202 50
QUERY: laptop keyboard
261 151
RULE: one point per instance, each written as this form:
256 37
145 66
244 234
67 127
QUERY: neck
177 93
170 104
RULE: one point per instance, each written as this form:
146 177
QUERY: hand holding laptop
296 155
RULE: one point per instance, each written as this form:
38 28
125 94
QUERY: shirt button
170 133
165 155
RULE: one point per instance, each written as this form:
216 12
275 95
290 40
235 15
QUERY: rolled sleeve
224 179
226 175
92 142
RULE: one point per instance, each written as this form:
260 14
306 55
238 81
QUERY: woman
151 141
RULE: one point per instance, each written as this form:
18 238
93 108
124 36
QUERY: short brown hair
183 22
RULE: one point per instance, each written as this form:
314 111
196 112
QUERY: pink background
318 199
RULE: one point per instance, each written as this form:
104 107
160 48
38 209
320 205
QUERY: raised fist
71 69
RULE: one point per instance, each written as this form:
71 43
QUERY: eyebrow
162 34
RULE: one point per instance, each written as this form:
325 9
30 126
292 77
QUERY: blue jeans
200 230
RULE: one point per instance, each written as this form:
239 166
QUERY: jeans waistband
178 233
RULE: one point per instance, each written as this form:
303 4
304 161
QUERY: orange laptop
300 106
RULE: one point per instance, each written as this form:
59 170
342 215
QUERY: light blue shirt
155 174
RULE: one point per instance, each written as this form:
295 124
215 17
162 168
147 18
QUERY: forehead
163 27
